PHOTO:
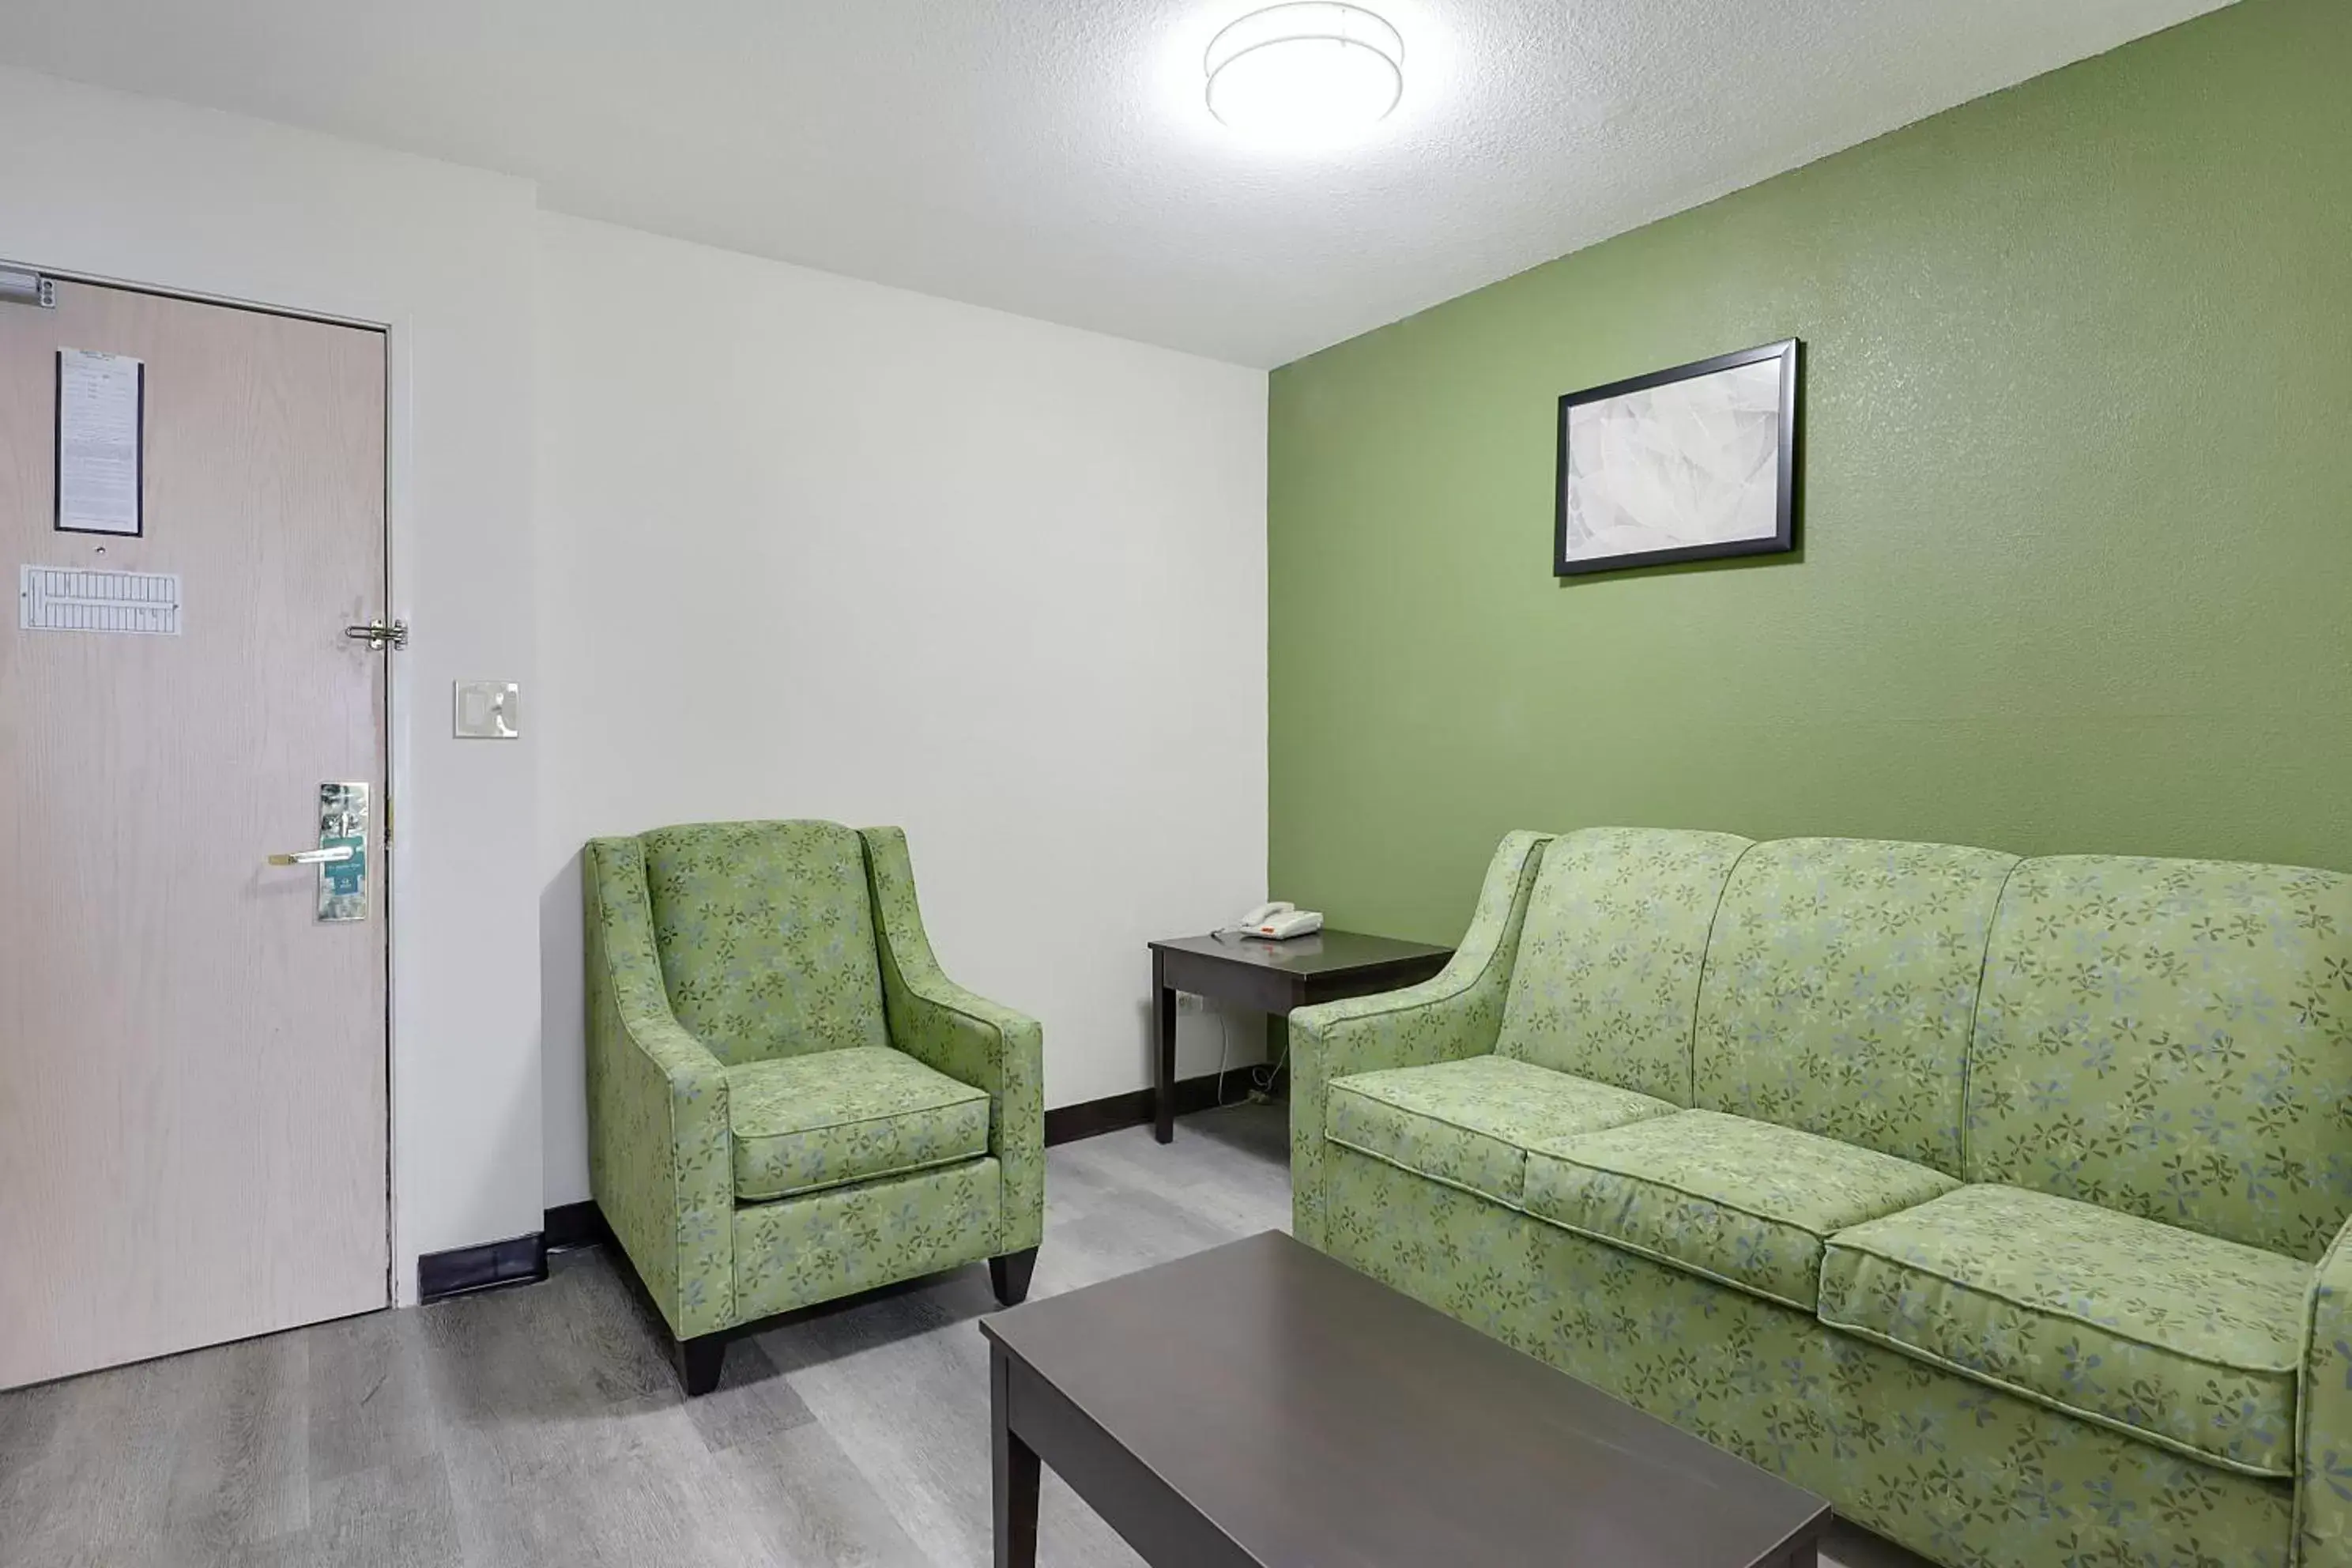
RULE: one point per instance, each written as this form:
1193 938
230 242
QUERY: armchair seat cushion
1468 1124
1747 1204
825 1119
2183 1340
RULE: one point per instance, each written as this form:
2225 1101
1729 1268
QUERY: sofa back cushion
766 935
2172 1039
1606 980
1841 986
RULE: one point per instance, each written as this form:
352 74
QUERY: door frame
398 546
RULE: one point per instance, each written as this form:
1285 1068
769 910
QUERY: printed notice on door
100 400
69 599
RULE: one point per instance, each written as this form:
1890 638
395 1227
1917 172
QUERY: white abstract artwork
1691 465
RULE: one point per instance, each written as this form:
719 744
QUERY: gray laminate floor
541 1425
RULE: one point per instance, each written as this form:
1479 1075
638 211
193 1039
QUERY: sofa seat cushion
1747 1203
828 1117
2181 1339
1468 1124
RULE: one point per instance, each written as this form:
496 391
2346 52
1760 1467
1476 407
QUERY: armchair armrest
951 1030
2323 1489
660 1157
1456 1014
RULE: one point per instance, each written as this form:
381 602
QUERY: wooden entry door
193 1094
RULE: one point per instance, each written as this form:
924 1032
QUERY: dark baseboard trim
517 1260
576 1224
1091 1118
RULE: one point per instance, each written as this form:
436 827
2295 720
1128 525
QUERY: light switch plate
488 710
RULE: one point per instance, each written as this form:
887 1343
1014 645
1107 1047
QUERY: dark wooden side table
1272 977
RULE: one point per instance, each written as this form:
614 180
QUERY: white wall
142 191
812 547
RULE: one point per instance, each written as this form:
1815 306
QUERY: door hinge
380 634
18 286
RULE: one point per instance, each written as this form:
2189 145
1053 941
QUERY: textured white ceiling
1053 157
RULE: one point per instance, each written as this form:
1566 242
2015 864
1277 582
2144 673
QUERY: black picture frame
1784 537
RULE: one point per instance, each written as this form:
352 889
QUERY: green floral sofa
787 1100
2000 1202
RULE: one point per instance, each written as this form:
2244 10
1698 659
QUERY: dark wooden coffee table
1261 1405
1272 977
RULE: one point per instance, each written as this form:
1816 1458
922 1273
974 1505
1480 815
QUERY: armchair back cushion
2172 1039
766 936
1607 977
1841 988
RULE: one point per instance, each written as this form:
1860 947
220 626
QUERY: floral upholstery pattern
1470 1122
663 1156
766 936
1961 1472
2177 1338
1606 986
969 1038
659 1163
1744 1202
1841 988
2324 1439
1455 1012
2165 1041
2172 1039
801 1124
830 1244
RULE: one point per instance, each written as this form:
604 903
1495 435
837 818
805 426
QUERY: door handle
314 856
340 860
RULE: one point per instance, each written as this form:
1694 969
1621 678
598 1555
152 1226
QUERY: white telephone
1279 921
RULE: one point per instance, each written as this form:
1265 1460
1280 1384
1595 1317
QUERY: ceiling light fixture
1306 73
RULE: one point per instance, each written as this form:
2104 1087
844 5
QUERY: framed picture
1686 464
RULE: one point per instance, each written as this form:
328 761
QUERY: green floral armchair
787 1100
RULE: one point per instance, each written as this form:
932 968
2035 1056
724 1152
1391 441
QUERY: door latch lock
380 634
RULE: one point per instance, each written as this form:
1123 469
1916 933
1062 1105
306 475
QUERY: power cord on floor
1262 1077
1264 1092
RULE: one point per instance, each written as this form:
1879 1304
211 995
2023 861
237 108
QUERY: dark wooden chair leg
1010 1276
698 1361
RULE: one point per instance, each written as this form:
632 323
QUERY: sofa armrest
1457 1013
951 1030
660 1158
2323 1492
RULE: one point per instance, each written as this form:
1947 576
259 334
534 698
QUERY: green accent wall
2075 516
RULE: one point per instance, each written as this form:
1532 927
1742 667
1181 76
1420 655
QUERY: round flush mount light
1304 74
